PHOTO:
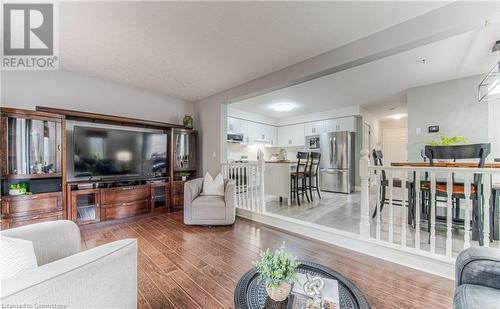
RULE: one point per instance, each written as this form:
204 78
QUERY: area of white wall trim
443 268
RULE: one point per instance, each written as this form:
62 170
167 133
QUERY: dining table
494 224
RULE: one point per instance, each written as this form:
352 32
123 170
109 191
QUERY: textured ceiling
191 50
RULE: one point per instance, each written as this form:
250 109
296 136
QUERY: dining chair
396 183
459 152
312 174
298 178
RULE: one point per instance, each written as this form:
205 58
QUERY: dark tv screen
102 152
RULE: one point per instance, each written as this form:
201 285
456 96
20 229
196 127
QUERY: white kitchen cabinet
340 124
291 136
233 125
314 128
261 133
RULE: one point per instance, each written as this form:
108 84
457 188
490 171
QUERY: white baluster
262 164
404 200
378 186
364 173
449 206
468 207
391 206
254 200
418 209
486 208
238 185
432 213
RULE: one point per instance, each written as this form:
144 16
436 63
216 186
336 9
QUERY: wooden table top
446 164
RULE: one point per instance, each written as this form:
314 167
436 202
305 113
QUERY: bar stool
299 177
312 173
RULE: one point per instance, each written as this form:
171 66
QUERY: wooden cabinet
124 201
291 136
85 206
27 209
177 194
160 196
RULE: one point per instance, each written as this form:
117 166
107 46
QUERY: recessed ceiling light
283 107
397 116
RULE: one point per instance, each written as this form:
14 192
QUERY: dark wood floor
182 266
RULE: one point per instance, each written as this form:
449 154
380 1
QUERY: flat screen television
105 152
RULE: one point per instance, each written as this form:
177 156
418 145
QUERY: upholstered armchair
101 277
209 209
477 276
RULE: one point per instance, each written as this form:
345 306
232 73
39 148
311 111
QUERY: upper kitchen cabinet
340 124
291 135
261 133
234 125
314 128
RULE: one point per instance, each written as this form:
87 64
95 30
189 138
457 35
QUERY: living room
120 190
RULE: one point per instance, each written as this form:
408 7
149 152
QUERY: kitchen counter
282 162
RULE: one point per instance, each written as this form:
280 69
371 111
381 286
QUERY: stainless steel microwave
312 142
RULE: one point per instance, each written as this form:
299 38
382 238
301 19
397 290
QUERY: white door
395 145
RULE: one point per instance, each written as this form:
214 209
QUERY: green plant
184 174
276 267
447 141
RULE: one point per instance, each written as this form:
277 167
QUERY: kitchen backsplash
236 151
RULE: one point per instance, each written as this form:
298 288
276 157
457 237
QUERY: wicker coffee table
251 294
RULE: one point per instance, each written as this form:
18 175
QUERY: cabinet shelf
32 176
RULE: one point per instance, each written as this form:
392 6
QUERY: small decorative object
188 121
244 158
283 154
184 175
447 141
18 189
278 271
313 286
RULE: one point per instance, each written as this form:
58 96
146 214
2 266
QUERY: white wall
60 89
453 105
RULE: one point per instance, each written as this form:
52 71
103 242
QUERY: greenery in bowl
275 268
447 141
184 174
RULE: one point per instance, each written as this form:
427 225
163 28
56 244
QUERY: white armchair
209 209
102 277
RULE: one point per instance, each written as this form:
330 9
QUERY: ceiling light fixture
397 116
283 107
489 88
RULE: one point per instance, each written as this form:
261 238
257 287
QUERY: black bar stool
298 178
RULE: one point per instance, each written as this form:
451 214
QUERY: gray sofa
209 209
477 277
102 277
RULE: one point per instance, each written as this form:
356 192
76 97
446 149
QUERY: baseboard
416 260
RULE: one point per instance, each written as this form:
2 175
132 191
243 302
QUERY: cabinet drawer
124 194
28 205
123 210
25 220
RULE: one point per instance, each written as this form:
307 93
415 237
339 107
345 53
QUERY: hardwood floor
182 266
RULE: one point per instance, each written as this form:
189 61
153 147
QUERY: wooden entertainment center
55 197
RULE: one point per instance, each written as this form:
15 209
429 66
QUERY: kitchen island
277 178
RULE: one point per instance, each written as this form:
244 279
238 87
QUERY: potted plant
184 175
447 141
278 271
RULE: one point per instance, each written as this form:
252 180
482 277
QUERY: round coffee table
251 294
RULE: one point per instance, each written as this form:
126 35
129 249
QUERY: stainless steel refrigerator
337 162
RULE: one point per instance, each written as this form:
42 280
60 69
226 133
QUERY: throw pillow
213 186
17 256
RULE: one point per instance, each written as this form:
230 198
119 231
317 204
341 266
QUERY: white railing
426 181
249 179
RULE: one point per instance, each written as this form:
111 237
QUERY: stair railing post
364 173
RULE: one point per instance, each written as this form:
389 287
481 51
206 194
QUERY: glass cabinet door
86 206
159 197
33 146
